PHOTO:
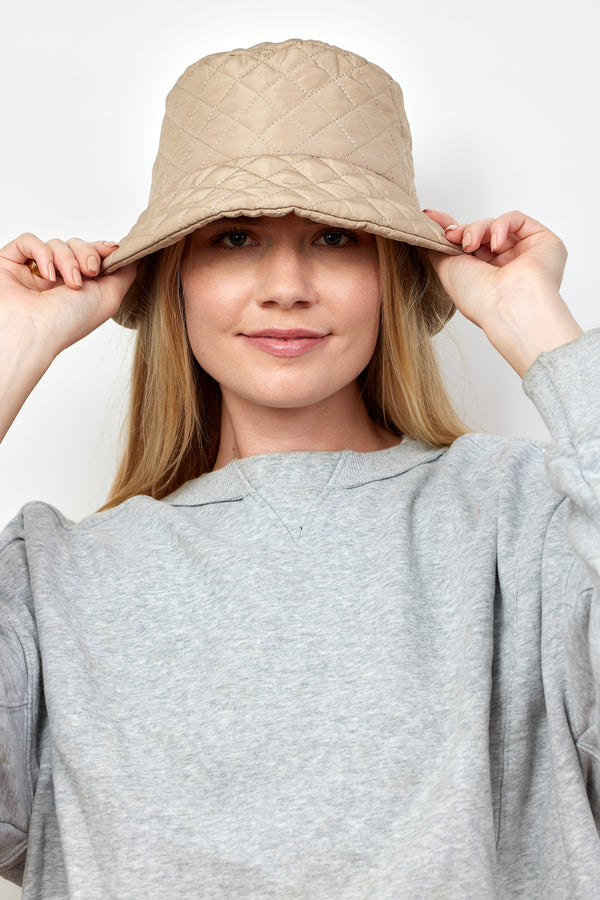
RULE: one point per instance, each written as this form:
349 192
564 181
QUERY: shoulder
508 477
41 524
480 447
511 467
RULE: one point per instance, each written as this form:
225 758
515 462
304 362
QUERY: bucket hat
295 127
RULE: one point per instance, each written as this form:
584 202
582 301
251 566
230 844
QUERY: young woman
320 642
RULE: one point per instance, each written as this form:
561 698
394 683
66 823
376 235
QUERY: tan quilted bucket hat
299 127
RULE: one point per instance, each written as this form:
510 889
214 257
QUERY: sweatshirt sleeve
19 700
564 384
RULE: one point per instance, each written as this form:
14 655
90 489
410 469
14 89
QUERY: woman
317 643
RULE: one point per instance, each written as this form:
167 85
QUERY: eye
336 237
231 238
235 238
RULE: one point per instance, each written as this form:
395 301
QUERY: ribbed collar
350 469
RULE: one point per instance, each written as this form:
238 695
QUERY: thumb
115 286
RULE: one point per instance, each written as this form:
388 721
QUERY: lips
286 342
286 334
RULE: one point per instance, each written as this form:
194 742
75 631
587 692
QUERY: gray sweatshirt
317 675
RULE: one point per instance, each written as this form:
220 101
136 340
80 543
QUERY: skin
507 283
287 273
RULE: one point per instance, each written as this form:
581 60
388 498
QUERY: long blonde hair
175 406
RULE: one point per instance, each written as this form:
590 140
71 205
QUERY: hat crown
294 99
297 127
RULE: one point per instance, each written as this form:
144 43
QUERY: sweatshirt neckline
351 469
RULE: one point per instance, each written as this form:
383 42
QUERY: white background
503 103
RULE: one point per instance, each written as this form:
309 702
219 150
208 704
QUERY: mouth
286 342
286 334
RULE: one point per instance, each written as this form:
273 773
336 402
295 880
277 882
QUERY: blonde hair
175 406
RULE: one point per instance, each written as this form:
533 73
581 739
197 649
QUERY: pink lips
286 342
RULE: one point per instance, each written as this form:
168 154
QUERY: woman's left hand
508 283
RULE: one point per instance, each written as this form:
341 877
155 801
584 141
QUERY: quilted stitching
290 102
299 126
333 187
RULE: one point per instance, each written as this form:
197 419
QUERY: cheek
208 313
365 312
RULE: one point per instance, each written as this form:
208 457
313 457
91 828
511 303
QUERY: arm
42 314
20 694
508 284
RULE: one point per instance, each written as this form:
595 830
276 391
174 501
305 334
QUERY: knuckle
60 248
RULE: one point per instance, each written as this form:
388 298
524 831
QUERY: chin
293 402
286 398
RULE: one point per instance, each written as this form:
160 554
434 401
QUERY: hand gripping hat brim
298 127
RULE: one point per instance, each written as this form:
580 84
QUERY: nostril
288 303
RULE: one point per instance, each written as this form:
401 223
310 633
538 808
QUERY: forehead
290 221
263 221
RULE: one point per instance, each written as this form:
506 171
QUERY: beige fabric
298 127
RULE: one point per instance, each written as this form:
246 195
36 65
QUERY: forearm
24 360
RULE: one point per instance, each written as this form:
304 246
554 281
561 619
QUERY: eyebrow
247 220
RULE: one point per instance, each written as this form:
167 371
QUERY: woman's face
282 312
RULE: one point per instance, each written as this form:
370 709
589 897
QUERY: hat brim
331 191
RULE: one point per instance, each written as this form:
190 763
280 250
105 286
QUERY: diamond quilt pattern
305 100
275 185
299 126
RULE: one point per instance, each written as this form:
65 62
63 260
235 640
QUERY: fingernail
493 243
76 276
450 228
92 264
466 239
51 272
110 244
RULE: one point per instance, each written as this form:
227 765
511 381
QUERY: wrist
530 325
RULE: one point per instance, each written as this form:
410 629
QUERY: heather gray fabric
328 675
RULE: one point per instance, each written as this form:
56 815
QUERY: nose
286 278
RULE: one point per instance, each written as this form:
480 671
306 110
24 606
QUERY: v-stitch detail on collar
299 528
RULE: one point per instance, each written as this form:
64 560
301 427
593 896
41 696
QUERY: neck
337 423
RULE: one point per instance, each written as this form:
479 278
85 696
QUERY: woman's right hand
41 314
66 300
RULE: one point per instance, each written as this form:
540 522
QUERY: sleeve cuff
564 384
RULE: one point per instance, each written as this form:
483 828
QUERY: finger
519 224
66 263
476 234
452 229
441 218
105 248
501 233
455 233
115 286
29 247
121 280
89 255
